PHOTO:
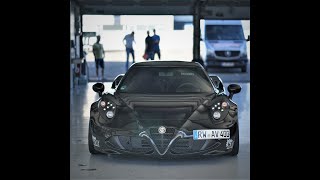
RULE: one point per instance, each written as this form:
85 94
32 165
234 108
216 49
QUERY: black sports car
165 108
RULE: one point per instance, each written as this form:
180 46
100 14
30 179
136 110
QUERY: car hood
157 110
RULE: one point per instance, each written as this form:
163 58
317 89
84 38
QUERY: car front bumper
177 143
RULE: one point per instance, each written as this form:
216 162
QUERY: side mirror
98 88
248 39
233 89
116 81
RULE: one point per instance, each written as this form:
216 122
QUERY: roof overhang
210 9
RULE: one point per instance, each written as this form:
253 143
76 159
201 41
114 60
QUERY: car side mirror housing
248 39
116 81
233 89
98 88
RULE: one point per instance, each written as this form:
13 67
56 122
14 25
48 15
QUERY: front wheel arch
90 141
235 148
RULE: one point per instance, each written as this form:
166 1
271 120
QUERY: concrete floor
85 166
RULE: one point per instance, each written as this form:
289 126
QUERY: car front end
203 122
166 137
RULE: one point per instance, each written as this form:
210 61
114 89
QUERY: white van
223 44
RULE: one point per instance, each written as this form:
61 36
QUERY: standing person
98 53
129 39
156 39
149 47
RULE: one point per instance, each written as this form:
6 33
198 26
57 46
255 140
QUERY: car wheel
235 149
90 142
244 69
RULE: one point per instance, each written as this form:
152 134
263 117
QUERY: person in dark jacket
149 47
156 40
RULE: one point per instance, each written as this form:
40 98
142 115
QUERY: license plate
227 64
211 134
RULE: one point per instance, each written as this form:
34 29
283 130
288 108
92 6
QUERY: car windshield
165 80
224 32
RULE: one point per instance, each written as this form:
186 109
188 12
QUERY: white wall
174 39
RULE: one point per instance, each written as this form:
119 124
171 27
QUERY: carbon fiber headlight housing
107 110
220 108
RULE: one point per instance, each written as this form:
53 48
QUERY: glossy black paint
116 81
233 89
137 117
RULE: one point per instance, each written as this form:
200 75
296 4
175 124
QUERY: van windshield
224 32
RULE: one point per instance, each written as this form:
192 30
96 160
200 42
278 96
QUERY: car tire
235 149
90 142
244 69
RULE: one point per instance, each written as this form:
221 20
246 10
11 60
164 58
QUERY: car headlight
102 103
106 105
243 51
108 108
110 114
224 105
216 115
210 52
218 109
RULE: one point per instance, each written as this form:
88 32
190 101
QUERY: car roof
155 63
